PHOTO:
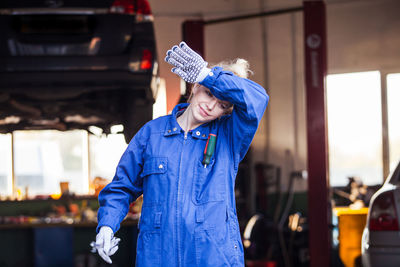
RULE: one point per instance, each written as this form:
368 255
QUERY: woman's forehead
219 100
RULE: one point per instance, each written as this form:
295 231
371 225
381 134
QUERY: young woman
185 165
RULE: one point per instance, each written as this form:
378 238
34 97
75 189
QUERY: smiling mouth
203 112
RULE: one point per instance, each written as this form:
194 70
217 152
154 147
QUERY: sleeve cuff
209 80
110 220
203 74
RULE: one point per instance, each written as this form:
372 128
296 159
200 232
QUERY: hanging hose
285 214
282 220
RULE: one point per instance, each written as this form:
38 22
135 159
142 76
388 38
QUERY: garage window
5 163
355 127
105 153
393 93
43 160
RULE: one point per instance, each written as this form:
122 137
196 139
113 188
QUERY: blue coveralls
188 215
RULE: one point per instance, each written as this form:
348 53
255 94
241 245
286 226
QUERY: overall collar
173 128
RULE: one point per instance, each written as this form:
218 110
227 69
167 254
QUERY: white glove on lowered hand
106 244
189 65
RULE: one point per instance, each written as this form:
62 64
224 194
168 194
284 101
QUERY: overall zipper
178 203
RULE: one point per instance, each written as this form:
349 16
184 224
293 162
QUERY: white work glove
189 65
106 244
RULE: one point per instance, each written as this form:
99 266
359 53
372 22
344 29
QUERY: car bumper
381 256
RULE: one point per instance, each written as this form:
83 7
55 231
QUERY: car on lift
72 64
380 245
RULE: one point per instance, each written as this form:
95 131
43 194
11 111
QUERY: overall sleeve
125 187
250 101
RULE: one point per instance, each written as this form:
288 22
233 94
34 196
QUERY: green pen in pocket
209 149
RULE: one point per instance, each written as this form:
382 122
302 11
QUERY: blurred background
319 185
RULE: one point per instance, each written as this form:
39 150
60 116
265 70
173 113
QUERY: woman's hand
189 65
106 244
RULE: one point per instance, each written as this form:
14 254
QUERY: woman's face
206 107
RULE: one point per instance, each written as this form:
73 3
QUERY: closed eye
225 105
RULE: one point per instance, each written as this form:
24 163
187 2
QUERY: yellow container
351 225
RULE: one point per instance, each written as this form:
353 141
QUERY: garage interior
328 141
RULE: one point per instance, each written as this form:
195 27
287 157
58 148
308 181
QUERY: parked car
70 64
381 237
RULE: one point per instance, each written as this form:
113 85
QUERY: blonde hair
239 66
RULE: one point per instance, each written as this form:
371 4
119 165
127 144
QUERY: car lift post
193 35
319 207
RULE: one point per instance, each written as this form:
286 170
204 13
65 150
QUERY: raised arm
249 98
250 101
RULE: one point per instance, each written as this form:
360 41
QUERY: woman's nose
211 104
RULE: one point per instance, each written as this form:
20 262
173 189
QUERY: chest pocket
208 184
154 176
